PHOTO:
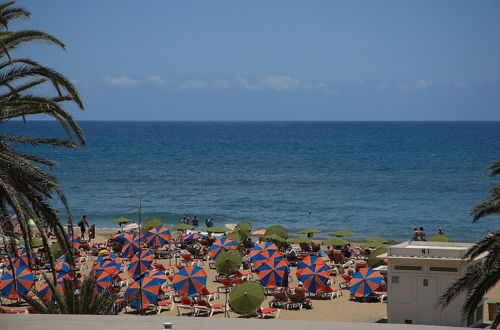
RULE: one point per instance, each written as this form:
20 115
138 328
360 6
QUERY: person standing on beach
209 222
83 223
195 221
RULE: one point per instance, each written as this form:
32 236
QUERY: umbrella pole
226 313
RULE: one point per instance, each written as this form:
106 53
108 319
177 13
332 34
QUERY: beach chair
211 295
186 307
168 270
305 247
188 260
163 303
268 313
280 300
203 307
329 293
226 287
345 283
297 300
245 275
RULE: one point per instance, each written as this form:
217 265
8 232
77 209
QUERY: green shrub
150 224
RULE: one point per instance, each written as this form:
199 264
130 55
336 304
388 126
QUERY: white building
418 273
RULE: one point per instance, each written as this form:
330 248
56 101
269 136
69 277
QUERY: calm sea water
376 178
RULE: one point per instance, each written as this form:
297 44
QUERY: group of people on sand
209 222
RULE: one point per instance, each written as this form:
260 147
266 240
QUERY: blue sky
276 60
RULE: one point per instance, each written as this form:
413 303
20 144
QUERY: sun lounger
186 307
268 313
345 283
280 300
188 260
204 307
164 304
329 293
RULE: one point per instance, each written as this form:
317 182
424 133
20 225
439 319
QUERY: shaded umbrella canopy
439 238
182 226
235 236
373 260
335 241
343 233
246 298
214 230
274 237
243 227
122 220
298 240
372 245
228 262
377 239
309 230
277 230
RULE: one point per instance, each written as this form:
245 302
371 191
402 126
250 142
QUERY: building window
407 267
426 282
408 322
395 279
444 269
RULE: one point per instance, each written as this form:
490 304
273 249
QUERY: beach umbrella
271 272
108 264
24 281
218 230
308 231
372 245
377 239
298 240
262 246
244 229
230 226
314 277
192 236
75 240
62 267
132 245
343 233
335 241
182 226
364 282
221 244
274 237
373 259
246 298
265 255
277 230
158 275
20 262
228 262
47 292
131 227
103 280
259 232
122 236
158 236
190 281
236 237
121 220
439 238
309 261
140 263
145 290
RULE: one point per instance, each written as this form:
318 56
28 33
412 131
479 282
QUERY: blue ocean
375 178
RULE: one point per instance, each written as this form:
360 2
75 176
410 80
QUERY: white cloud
157 80
422 84
192 84
121 81
279 83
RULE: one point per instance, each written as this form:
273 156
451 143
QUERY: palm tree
480 277
25 187
72 300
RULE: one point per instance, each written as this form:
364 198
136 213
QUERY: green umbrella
122 220
228 262
298 240
246 298
308 230
372 245
243 227
335 241
274 237
236 236
343 233
277 230
373 261
182 226
439 238
377 239
214 230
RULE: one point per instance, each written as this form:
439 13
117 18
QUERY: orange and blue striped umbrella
24 281
265 255
192 237
272 272
157 274
62 267
261 247
75 240
102 279
132 245
309 261
146 289
122 236
222 244
314 277
47 292
158 236
110 264
364 282
140 263
190 281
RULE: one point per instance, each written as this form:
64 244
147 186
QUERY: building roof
428 250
